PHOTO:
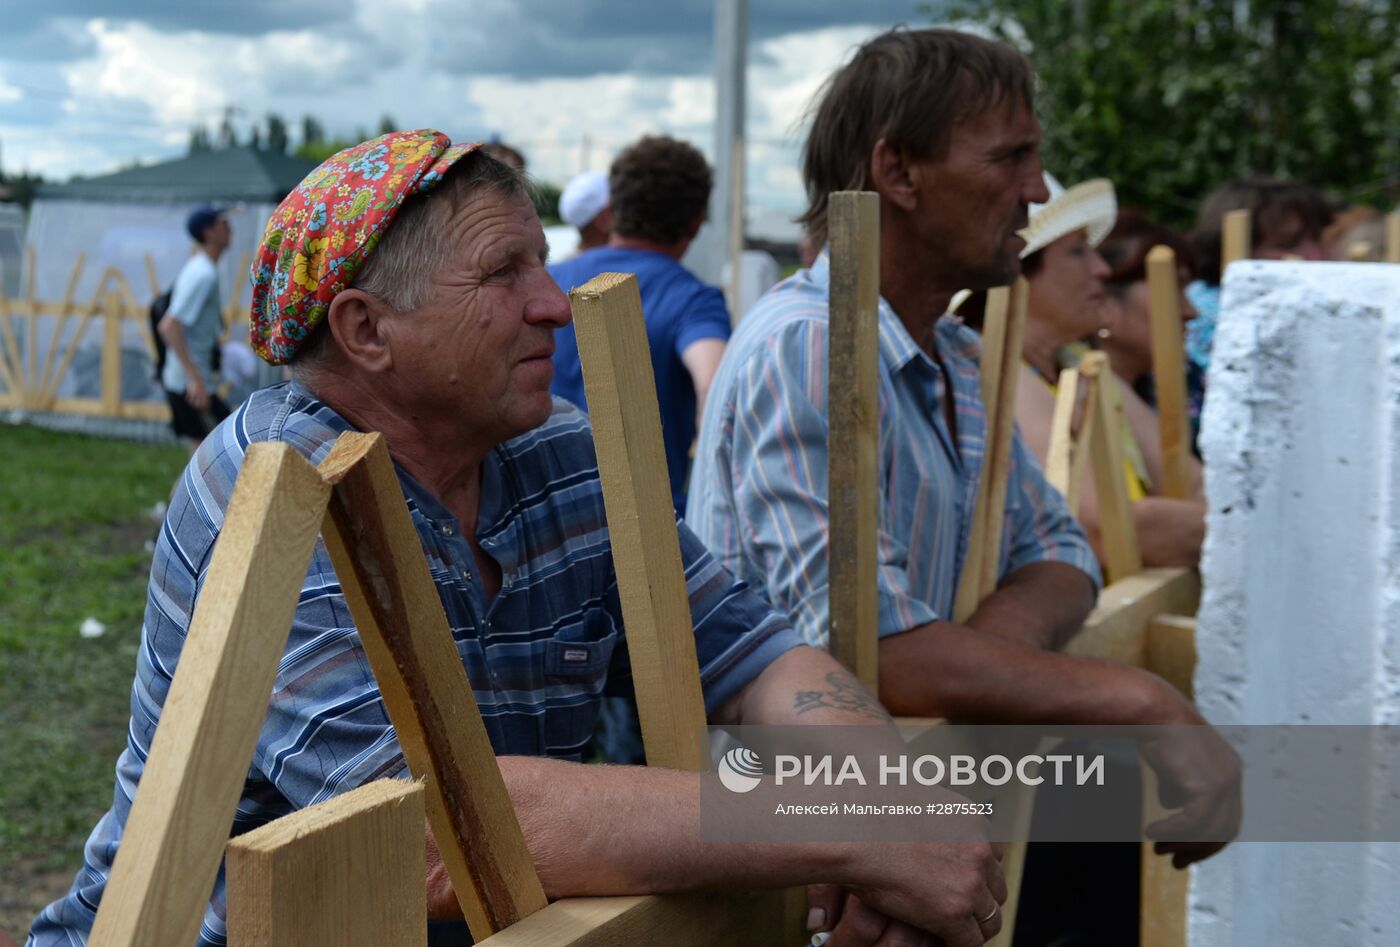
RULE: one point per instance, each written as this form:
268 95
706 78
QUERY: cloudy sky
89 85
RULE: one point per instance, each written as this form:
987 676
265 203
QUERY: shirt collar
897 346
491 506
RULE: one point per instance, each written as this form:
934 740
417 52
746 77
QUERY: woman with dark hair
1126 336
1286 218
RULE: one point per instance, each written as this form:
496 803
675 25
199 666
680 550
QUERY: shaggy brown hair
911 88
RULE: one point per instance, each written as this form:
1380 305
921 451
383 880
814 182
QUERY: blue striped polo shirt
539 656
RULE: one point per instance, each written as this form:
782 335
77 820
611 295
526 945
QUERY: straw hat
1090 206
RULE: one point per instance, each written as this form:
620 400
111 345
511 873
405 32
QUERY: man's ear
357 321
892 177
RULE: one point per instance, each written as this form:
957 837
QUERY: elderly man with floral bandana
404 282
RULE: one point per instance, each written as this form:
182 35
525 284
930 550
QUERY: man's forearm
804 686
610 830
947 670
1042 604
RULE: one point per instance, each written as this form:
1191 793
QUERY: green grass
74 523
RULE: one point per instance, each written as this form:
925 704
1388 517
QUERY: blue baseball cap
202 217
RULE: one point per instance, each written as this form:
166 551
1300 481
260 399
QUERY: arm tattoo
846 694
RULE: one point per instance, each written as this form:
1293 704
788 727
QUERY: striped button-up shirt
539 656
759 488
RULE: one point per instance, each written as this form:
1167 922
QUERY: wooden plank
853 438
151 277
233 313
11 371
128 302
616 357
1169 372
1392 237
380 564
112 354
146 411
31 374
1117 531
94 407
681 920
1002 425
348 872
1171 653
993 355
1059 455
76 341
1021 802
1069 450
1235 238
1164 889
1117 628
1091 371
63 313
179 823
1171 650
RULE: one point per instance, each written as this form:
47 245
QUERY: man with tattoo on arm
941 125
404 281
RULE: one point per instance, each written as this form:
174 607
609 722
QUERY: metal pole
708 253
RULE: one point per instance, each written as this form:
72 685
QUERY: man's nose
548 303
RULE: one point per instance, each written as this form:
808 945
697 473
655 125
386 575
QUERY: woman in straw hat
1067 304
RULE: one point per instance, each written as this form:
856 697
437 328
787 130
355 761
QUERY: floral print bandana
321 234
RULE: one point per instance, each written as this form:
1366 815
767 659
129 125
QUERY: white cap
584 198
1090 206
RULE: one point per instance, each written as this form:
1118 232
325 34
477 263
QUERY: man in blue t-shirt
660 190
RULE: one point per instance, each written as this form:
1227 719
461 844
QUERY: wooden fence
40 339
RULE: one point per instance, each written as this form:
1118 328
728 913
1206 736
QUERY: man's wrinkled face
481 348
975 199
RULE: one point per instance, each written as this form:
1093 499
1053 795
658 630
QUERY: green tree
546 200
387 124
277 139
20 188
199 139
311 131
1170 98
228 134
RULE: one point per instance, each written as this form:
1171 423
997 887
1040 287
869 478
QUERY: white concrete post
1300 619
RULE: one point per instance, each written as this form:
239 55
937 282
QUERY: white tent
119 219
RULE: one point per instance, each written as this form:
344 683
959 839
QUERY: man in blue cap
191 328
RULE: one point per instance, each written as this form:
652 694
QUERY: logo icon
740 769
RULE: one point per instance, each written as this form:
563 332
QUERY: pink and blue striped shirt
758 492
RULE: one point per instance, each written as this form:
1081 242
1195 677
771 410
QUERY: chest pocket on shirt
578 660
575 673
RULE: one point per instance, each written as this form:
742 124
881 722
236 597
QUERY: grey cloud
33 39
542 38
239 17
516 38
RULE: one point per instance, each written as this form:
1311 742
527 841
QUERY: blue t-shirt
680 310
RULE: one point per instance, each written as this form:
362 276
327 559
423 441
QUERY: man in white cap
584 205
941 125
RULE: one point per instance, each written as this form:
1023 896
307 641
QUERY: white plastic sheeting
116 234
